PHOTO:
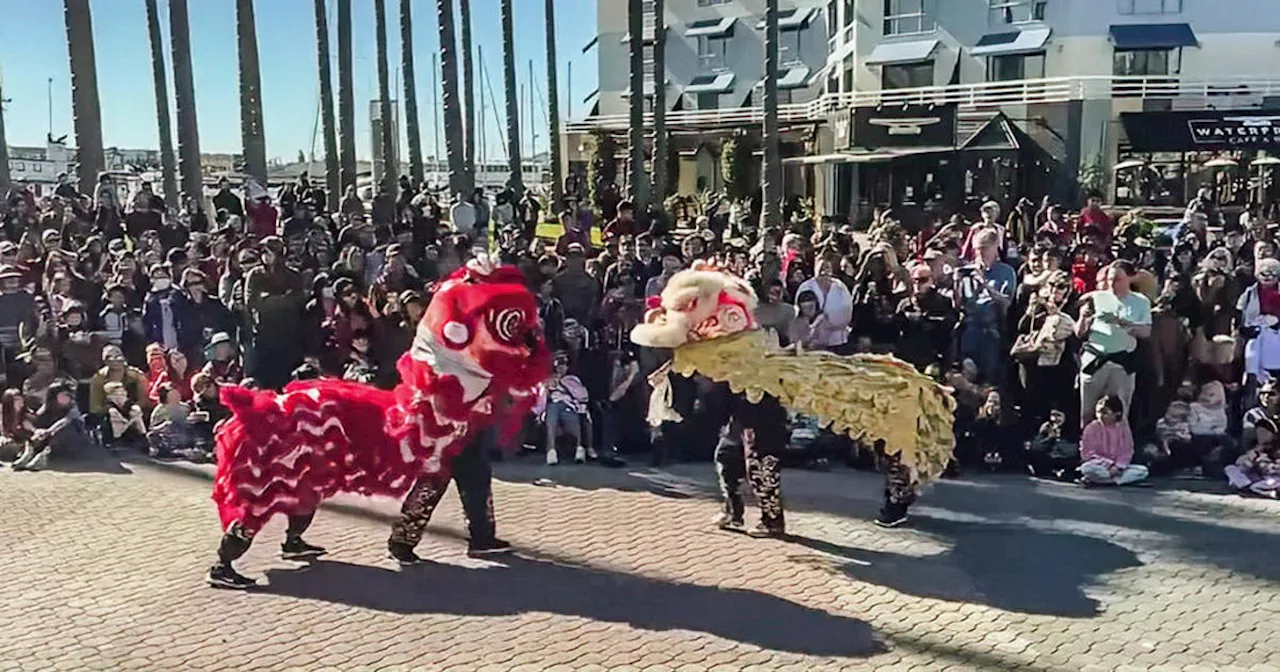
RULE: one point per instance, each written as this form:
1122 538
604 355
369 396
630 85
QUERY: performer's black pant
899 494
474 476
739 457
237 539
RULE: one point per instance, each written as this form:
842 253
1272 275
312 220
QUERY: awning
902 52
1017 42
791 19
862 157
1152 36
710 27
791 78
710 83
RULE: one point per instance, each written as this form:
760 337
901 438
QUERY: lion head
698 304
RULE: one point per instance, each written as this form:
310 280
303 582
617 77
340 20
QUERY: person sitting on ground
223 362
123 426
1106 447
16 424
1208 419
566 403
1258 470
60 430
1050 454
206 412
116 369
171 433
360 367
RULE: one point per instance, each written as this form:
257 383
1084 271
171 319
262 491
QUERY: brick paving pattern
620 570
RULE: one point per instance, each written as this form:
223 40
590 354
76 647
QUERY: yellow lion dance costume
706 317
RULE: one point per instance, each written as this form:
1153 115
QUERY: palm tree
252 140
346 100
184 90
771 212
513 102
168 174
661 143
386 137
84 93
553 105
453 129
410 92
332 183
468 99
639 182
4 148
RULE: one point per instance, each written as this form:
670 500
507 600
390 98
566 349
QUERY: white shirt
463 216
836 305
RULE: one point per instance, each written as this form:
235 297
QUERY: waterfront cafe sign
1202 130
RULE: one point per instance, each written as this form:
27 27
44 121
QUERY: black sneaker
890 519
297 549
478 549
728 523
402 553
224 576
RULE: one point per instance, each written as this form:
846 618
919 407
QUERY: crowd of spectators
1079 345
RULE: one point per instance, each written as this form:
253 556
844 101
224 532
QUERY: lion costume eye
508 324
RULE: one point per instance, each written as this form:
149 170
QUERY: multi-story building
955 100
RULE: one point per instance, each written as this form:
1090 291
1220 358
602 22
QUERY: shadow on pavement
1009 567
520 585
104 463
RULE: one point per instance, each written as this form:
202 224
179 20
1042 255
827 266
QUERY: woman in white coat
1259 308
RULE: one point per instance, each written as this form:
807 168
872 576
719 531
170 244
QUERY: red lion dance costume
476 361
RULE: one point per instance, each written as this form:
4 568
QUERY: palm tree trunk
553 111
386 137
4 150
168 172
661 142
84 94
513 101
453 129
332 176
252 140
639 183
468 99
771 208
184 90
346 101
410 92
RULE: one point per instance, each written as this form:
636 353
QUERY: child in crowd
16 425
1050 454
1258 470
1106 447
566 404
171 432
206 412
1208 421
124 427
360 367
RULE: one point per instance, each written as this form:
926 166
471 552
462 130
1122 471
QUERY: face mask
327 293
161 284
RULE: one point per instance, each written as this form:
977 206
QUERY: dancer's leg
764 471
294 548
235 543
898 491
474 476
415 513
730 470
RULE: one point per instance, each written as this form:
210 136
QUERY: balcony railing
1184 94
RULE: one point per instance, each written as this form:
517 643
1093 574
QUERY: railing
1223 92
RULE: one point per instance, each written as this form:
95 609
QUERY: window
904 17
713 3
789 48
1014 67
702 101
1148 62
1015 11
713 51
1149 6
848 73
848 16
907 75
832 26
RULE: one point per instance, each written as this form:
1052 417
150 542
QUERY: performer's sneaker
224 576
763 531
727 522
403 554
297 549
479 549
890 519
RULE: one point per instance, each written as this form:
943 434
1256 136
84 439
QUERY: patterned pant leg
898 489
416 511
730 470
235 542
764 471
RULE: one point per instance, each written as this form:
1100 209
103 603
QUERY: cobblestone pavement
620 570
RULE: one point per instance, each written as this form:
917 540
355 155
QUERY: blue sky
33 49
